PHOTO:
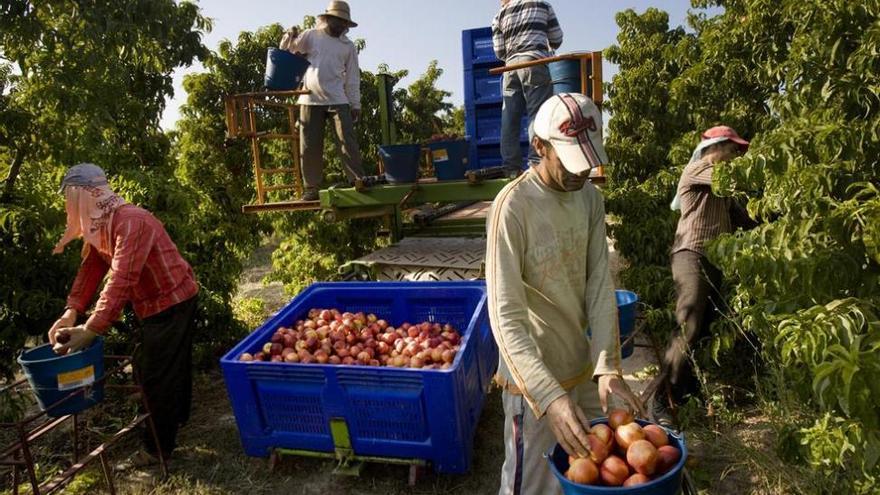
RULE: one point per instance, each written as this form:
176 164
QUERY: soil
724 460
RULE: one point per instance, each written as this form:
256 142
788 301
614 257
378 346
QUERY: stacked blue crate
482 101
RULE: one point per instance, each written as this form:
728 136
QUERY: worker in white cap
548 281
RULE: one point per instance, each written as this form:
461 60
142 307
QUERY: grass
732 451
211 461
740 459
727 458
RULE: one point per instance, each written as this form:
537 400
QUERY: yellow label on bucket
440 155
76 378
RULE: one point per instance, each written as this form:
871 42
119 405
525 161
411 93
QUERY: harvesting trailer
427 207
438 230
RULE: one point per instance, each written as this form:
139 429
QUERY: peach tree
800 79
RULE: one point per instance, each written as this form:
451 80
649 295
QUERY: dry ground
735 459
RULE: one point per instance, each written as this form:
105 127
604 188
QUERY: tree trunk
9 182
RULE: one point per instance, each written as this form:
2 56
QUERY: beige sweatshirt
548 281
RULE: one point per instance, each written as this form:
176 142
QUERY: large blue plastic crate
390 412
482 88
483 100
488 126
476 47
488 156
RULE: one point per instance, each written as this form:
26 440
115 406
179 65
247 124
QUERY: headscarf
90 205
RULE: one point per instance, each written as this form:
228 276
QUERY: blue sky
408 34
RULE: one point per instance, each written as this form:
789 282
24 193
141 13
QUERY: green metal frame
456 228
386 84
389 200
418 193
349 464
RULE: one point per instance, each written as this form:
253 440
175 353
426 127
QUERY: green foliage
220 175
641 134
425 108
80 82
800 78
816 170
250 311
314 249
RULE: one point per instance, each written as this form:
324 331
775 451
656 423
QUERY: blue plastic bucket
284 70
566 76
626 318
401 162
53 377
449 158
667 484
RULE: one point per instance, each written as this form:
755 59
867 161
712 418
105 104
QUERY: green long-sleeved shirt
548 281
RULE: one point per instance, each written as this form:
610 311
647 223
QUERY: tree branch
9 181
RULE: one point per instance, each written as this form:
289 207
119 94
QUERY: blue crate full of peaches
406 365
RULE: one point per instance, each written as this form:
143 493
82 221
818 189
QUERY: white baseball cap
572 123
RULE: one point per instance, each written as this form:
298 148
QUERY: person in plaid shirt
523 30
143 267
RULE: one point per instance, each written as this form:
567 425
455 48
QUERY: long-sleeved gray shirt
548 281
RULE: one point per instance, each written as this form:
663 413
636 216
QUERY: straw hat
339 10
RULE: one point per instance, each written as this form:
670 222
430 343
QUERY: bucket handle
676 434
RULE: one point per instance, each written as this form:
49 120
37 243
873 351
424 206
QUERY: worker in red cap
704 216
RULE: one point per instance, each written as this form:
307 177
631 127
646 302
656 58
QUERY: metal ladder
241 122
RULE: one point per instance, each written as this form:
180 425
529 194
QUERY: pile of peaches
623 453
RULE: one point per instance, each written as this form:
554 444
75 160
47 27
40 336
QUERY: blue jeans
524 90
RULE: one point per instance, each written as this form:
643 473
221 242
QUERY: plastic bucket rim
272 50
676 470
441 144
630 297
399 146
56 357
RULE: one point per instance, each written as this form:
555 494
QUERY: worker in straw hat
334 83
131 249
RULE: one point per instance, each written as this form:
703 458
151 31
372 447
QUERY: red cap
722 131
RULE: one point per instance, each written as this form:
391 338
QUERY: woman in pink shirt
131 249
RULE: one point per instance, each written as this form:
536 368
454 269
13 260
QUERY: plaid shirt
704 216
146 269
525 28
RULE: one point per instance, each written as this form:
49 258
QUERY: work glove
72 339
